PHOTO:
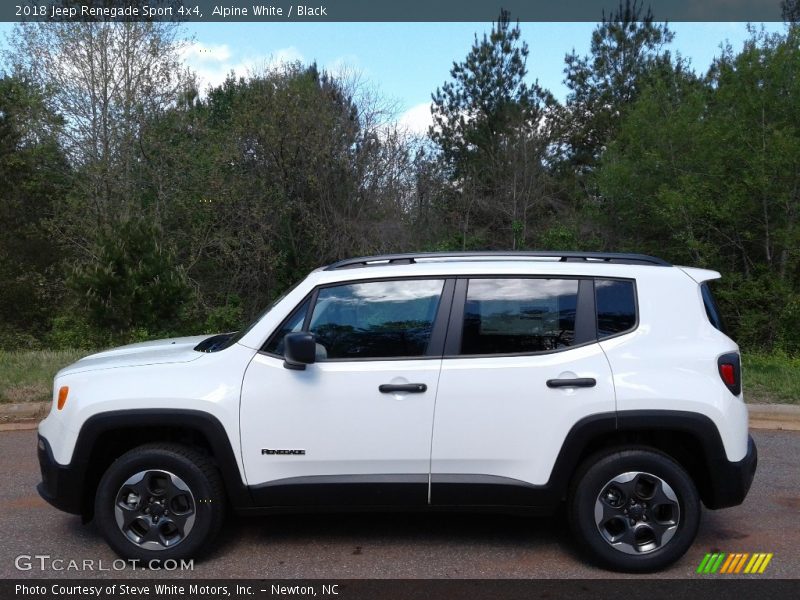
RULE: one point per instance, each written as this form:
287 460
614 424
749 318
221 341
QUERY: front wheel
634 510
160 502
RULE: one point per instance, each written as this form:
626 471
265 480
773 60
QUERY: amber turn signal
62 396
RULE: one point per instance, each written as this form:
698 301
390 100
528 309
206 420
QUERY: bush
133 283
15 339
228 317
73 331
771 378
761 311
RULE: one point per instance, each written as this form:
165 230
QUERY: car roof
488 264
495 255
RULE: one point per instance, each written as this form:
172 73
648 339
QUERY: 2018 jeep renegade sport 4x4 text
479 381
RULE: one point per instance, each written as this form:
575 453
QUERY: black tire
643 523
171 470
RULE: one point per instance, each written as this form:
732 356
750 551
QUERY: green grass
27 376
771 378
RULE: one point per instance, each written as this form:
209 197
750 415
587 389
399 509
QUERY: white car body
669 360
491 419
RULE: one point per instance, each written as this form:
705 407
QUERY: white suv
479 381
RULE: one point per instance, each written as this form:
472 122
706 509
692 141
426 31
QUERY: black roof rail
413 257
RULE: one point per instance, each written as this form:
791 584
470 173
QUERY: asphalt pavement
391 545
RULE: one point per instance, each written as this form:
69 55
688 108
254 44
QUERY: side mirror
300 349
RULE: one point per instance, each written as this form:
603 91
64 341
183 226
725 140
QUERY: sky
406 62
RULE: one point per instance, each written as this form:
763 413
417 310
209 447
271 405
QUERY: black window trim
439 328
312 296
445 342
635 325
585 315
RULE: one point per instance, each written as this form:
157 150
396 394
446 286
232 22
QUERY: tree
134 282
790 10
651 176
35 177
626 48
490 127
105 79
707 172
270 176
754 116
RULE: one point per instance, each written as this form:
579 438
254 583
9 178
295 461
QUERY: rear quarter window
615 301
712 311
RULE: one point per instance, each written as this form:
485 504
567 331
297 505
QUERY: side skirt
342 490
393 493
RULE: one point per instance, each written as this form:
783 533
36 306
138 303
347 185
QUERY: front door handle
414 388
577 382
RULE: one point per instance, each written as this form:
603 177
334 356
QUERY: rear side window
616 306
508 316
711 307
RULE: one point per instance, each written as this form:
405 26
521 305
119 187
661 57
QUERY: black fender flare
726 483
197 421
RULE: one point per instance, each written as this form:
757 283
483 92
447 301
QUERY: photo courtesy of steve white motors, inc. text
172 589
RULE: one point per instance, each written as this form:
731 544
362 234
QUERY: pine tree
489 125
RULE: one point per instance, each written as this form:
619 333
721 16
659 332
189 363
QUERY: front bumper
730 481
62 485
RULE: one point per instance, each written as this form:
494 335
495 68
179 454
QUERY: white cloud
284 56
417 119
344 66
198 52
213 63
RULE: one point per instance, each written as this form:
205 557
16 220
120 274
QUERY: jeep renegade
515 382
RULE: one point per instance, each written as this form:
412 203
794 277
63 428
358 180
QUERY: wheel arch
691 439
106 436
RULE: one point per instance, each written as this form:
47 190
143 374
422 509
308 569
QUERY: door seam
438 381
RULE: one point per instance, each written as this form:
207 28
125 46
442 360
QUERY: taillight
728 374
730 371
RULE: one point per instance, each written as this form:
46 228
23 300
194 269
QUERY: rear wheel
634 510
159 502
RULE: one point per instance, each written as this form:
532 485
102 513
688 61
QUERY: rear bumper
62 485
730 481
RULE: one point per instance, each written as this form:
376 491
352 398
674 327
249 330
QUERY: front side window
616 306
376 319
508 316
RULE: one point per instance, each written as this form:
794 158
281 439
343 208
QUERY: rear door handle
414 388
577 382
